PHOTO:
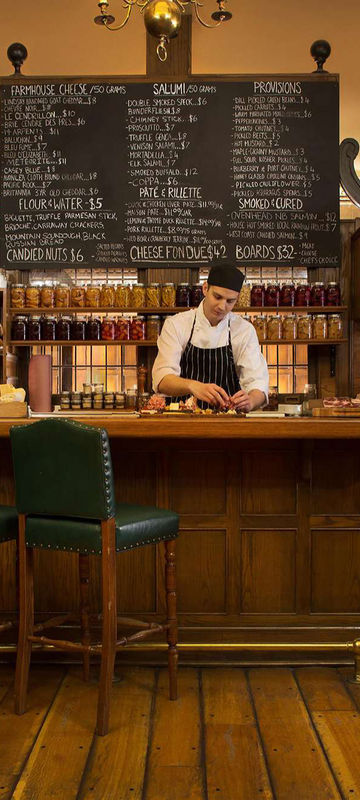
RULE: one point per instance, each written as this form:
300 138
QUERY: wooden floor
234 734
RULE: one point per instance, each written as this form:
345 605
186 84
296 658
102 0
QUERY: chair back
63 468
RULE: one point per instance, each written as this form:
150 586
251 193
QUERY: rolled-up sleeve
170 348
251 364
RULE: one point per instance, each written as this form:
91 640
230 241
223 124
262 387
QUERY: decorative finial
17 53
320 51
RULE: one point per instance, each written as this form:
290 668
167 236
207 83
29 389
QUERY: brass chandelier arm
122 25
198 5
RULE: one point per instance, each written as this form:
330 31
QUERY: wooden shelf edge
151 343
176 310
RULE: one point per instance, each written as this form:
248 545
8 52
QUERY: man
211 353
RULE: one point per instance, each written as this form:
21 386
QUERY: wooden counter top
215 428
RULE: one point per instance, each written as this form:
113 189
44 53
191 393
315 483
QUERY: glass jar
304 328
32 296
244 298
19 329
47 296
289 326
108 329
260 324
77 329
302 294
335 326
122 329
319 326
77 296
153 295
332 294
153 327
62 295
62 329
138 328
272 294
257 295
137 295
93 329
122 296
274 327
34 328
168 295
119 399
92 296
196 294
182 298
17 295
107 296
47 325
131 399
317 294
287 294
65 401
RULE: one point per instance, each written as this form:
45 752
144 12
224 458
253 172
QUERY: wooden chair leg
84 577
26 618
109 628
172 632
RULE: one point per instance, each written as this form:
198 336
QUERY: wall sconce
162 18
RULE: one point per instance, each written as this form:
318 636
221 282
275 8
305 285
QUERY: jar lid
318 283
153 316
78 319
333 283
138 316
169 284
18 286
134 285
319 316
33 287
65 393
332 316
154 284
20 318
196 285
35 317
184 284
62 286
64 318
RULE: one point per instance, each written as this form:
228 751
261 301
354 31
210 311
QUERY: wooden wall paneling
335 479
268 482
178 62
268 571
197 482
56 582
335 573
303 550
201 571
343 365
233 548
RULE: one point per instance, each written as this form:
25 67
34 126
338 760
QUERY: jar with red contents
317 294
332 294
182 295
77 329
257 294
138 328
122 329
108 329
62 329
34 328
287 294
47 326
196 294
93 329
272 295
302 294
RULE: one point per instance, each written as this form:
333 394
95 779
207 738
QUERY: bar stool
65 501
8 532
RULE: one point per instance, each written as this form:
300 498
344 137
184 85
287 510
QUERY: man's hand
210 393
247 402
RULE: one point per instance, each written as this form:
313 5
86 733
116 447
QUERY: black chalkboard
114 172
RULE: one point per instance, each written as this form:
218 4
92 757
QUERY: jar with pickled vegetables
274 327
17 295
287 294
257 294
332 294
319 327
62 295
93 329
138 328
335 326
196 294
182 298
122 296
122 329
19 329
244 298
47 296
153 327
304 327
77 296
272 294
260 324
108 329
153 295
107 296
92 296
168 295
77 329
32 296
137 295
34 328
62 329
302 294
47 326
289 326
317 294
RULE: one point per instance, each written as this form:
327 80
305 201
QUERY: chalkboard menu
115 172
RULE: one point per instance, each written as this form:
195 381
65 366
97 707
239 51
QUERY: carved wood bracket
349 180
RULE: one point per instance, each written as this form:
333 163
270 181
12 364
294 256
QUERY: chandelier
162 18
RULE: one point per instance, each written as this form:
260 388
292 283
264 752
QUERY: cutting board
336 412
13 410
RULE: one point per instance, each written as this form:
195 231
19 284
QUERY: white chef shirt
250 364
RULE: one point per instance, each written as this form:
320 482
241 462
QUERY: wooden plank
58 758
296 761
323 689
235 764
7 675
17 734
116 765
175 748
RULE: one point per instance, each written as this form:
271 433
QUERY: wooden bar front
268 558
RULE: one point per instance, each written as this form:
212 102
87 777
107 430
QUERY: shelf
151 343
175 310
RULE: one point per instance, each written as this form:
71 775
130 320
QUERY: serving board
13 410
336 412
185 415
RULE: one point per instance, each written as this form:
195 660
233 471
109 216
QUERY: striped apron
209 365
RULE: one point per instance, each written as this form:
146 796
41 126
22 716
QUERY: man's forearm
173 385
258 398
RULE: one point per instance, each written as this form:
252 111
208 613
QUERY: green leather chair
65 501
8 531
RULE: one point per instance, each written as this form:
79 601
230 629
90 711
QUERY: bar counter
268 557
